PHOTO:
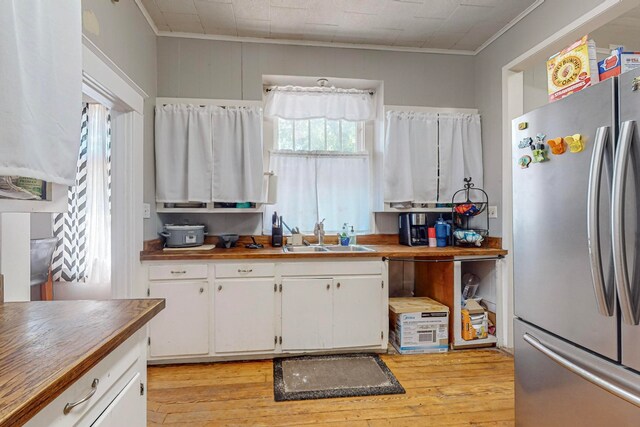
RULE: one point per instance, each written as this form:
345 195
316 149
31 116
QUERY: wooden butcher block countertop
383 245
45 346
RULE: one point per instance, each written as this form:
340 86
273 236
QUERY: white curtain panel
41 87
299 103
98 213
460 152
237 155
411 157
321 186
183 141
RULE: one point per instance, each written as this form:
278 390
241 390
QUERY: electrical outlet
146 210
493 212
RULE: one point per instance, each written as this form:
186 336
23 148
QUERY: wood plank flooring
470 388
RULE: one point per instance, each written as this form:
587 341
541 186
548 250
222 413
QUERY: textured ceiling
435 24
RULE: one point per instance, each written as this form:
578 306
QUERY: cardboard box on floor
418 325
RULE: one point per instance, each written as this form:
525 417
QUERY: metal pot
183 236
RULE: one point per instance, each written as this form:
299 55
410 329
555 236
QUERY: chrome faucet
318 230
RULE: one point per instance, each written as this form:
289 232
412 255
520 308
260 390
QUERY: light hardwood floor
471 388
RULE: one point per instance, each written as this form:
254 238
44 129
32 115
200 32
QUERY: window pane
333 135
285 134
302 135
349 136
317 134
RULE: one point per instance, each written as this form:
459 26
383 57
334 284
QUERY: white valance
428 155
208 153
41 87
300 103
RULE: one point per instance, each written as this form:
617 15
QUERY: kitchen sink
352 248
326 249
304 249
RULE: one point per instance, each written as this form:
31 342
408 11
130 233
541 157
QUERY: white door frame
513 106
105 82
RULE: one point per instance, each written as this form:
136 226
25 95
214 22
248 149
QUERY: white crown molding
511 23
312 43
146 15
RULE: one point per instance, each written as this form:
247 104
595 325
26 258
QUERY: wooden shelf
409 210
209 209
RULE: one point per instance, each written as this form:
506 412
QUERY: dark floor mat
320 377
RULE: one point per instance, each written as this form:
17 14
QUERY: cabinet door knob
328 286
201 290
338 285
219 287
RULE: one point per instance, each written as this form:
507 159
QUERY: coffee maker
413 229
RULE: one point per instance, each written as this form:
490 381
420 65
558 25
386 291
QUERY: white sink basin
326 249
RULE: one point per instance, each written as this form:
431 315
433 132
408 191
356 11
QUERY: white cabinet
357 317
112 393
182 328
244 315
128 408
307 314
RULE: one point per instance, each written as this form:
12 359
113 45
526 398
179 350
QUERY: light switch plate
146 210
493 212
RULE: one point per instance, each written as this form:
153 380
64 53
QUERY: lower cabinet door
127 409
182 328
244 315
306 313
357 311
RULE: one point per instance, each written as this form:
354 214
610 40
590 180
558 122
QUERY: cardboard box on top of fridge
619 62
418 325
572 69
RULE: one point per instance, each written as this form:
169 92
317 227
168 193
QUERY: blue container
443 230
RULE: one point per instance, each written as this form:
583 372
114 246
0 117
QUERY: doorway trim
106 85
513 106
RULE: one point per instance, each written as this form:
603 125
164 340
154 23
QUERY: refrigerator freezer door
553 283
630 111
549 394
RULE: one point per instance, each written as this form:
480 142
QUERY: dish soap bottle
344 238
352 236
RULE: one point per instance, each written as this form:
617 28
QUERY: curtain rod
442 260
320 89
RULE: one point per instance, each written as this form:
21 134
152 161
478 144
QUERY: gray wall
540 24
191 68
126 38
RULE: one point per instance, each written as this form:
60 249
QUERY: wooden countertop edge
41 398
276 253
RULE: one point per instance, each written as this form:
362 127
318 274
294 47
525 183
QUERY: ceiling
624 30
463 25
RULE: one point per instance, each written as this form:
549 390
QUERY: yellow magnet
523 125
575 143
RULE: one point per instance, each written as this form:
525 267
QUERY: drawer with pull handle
85 399
245 270
178 271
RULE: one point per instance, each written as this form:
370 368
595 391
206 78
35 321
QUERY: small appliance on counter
413 229
183 236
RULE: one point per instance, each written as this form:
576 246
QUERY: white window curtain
428 155
321 186
460 138
300 103
411 157
208 153
41 87
83 251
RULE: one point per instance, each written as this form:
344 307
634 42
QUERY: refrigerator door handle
623 284
563 361
604 297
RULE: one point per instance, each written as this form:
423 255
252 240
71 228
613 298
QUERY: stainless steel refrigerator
577 260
